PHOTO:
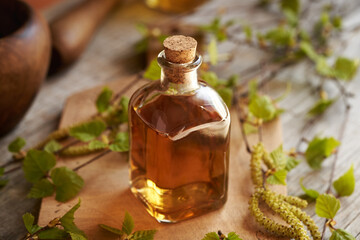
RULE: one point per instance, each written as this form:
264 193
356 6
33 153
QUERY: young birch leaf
279 158
321 106
28 220
76 236
52 146
103 100
53 233
143 235
340 234
213 52
153 71
111 229
291 163
40 189
67 183
123 114
345 185
313 194
16 145
211 78
88 131
3 182
278 177
309 51
211 236
97 145
337 22
262 107
233 236
67 221
248 32
226 94
319 149
327 206
121 143
128 224
37 164
292 5
345 68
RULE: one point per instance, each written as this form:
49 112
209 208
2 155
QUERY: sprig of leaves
58 228
126 231
220 236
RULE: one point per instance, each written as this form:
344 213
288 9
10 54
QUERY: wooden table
111 55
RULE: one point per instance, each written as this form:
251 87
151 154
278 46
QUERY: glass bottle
174 6
179 138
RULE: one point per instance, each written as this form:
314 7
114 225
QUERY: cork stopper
180 49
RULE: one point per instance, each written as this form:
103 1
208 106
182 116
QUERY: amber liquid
179 152
175 6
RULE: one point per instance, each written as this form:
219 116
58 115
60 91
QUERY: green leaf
76 236
217 29
291 163
309 51
96 145
226 94
121 143
16 145
292 5
40 189
142 29
124 103
53 233
153 71
248 32
250 129
88 131
3 182
28 220
262 107
37 164
281 36
128 224
233 236
327 206
345 185
345 68
211 78
67 183
52 146
111 229
211 236
340 234
67 221
319 149
321 106
143 235
291 17
253 86
103 100
311 193
213 52
337 22
278 177
323 68
279 158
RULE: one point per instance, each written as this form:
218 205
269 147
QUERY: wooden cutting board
106 194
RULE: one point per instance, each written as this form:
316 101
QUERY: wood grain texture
106 195
111 56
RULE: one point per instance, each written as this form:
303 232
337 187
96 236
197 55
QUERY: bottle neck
179 78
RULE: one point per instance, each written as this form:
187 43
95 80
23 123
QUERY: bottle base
171 206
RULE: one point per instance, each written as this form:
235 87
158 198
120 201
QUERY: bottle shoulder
168 112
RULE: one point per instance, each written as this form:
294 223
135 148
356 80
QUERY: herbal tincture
179 138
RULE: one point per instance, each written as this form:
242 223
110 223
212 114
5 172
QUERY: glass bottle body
179 150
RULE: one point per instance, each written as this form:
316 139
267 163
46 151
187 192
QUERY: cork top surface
180 49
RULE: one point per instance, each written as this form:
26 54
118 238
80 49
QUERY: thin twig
243 134
336 156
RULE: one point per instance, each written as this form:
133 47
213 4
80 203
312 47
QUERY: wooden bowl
24 60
